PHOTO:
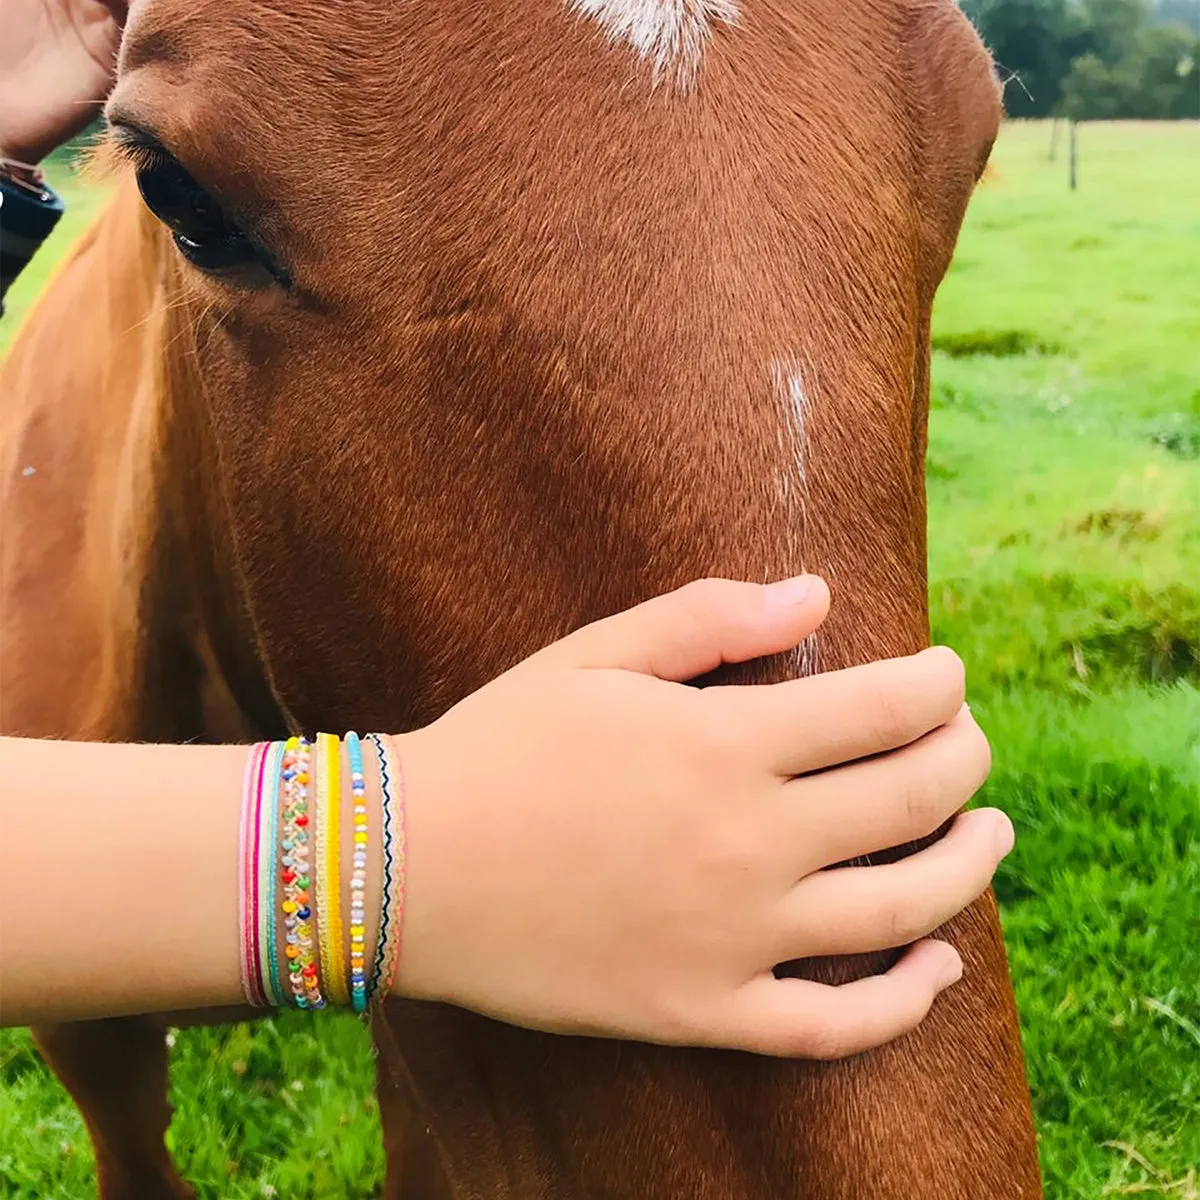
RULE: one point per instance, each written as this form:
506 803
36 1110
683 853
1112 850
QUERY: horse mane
131 242
100 366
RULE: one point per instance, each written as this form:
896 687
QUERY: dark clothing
27 215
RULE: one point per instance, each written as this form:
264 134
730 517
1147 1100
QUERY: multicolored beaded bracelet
319 833
290 867
358 877
296 876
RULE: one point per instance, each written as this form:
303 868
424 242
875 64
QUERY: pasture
1064 490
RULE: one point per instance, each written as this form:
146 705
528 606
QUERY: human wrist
321 890
23 150
424 795
28 135
17 142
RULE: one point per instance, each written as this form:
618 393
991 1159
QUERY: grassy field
1064 484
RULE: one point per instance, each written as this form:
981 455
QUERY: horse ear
956 101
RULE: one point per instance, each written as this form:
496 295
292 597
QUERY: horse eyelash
134 148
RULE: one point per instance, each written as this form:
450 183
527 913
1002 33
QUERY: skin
57 63
664 881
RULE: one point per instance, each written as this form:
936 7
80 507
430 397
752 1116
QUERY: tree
1169 74
1096 91
1157 78
1094 59
1112 27
1028 40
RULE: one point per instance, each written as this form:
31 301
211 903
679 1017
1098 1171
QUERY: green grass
280 1108
1064 497
1065 567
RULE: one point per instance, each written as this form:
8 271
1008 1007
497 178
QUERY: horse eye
204 235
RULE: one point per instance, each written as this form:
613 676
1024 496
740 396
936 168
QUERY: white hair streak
669 34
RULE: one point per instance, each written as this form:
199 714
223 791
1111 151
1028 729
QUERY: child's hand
57 62
594 848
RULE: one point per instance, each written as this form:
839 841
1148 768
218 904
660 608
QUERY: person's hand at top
57 62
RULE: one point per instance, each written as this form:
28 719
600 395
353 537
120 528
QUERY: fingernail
951 973
1005 836
787 593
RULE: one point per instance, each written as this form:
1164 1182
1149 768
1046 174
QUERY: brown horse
479 321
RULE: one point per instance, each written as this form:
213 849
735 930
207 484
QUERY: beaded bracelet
358 877
304 975
319 833
290 846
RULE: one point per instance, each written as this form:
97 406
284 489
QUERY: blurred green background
1064 489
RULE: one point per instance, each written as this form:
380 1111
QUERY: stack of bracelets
291 878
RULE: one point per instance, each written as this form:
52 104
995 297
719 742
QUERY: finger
809 724
851 910
881 802
796 1018
696 628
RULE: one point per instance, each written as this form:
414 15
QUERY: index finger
822 721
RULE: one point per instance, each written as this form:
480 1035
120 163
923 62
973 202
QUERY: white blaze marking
807 656
28 471
794 404
668 33
789 389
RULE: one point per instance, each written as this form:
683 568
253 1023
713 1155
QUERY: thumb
698 627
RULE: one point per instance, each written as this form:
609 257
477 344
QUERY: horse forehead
667 36
306 55
530 132
179 32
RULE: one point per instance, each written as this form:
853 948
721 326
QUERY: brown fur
525 379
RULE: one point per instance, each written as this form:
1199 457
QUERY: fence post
1074 174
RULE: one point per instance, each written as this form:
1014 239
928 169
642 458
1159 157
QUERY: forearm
119 878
